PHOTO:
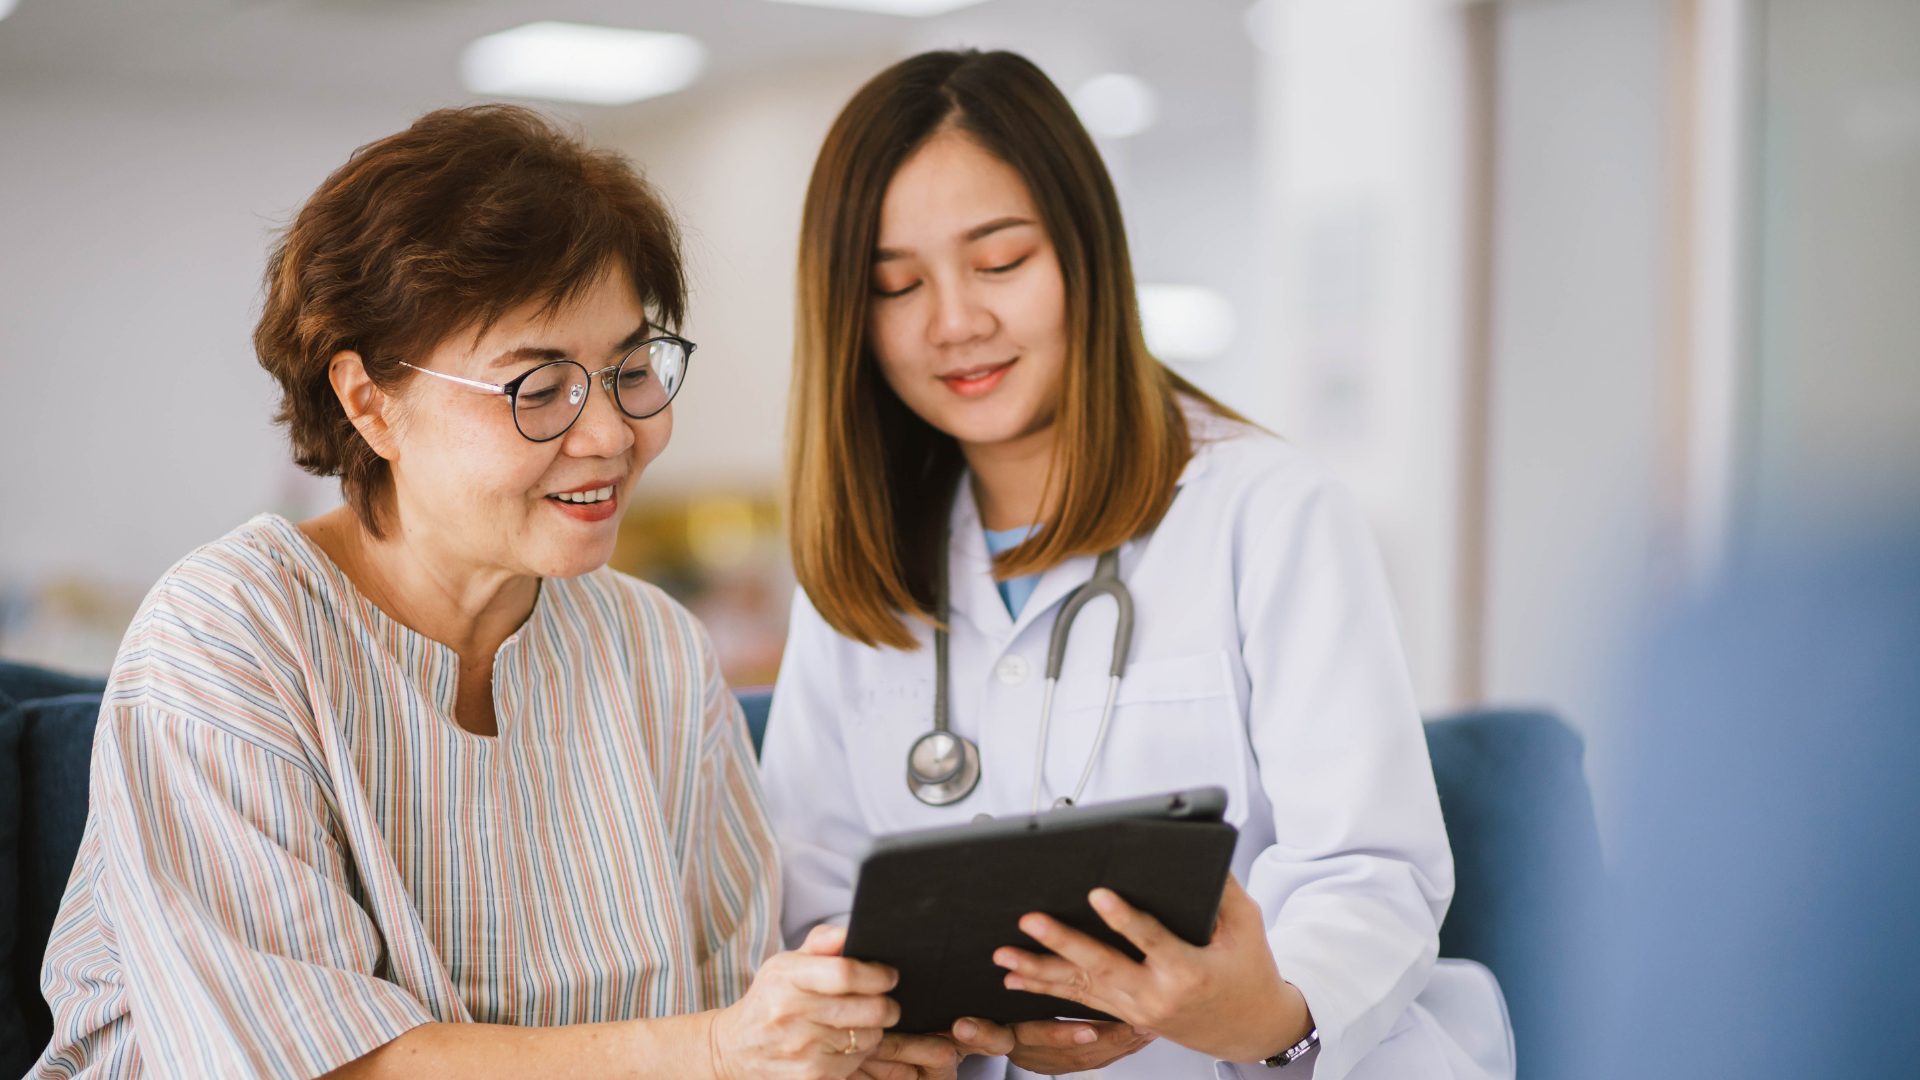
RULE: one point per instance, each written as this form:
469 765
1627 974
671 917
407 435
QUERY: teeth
594 496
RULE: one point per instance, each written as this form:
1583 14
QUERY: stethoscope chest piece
942 768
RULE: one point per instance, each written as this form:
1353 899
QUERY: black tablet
936 903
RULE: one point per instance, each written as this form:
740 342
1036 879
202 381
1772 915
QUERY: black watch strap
1293 1053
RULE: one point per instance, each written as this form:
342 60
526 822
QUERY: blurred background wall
1584 298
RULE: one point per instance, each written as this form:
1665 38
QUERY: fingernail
1013 983
1000 960
966 1029
1101 899
1085 1036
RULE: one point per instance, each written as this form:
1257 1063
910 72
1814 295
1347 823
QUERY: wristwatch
1294 1052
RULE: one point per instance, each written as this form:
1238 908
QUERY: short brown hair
870 483
446 226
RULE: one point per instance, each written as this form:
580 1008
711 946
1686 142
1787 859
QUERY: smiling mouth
978 380
596 495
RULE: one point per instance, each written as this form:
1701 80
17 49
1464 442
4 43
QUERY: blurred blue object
1766 916
1527 868
46 741
756 701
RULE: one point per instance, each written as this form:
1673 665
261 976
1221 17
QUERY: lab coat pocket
1176 724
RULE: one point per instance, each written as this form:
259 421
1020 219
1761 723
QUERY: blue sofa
46 739
1526 852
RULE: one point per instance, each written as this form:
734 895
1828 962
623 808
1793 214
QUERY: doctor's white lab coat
1266 661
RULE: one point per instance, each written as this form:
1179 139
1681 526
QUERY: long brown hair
869 482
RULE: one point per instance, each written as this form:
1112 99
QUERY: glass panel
650 377
549 399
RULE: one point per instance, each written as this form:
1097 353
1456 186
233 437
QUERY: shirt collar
971 590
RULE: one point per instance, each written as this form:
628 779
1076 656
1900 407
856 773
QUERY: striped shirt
294 854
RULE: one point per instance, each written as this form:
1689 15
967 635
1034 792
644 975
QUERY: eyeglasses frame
511 388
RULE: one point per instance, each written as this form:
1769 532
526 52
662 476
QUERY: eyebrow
978 232
632 341
530 354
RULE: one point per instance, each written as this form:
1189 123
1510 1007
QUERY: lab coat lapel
971 593
970 586
971 589
1053 586
1057 583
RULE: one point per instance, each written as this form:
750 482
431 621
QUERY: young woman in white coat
975 414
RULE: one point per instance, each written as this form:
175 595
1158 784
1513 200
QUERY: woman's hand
1052 1047
810 1014
911 1057
1226 999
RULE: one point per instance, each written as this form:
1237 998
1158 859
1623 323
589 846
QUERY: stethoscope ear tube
1104 582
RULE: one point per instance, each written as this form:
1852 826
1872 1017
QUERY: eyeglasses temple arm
492 388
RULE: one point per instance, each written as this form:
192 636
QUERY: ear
368 408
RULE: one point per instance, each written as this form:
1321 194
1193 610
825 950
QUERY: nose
959 317
602 430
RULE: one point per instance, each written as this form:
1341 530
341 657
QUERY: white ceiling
404 53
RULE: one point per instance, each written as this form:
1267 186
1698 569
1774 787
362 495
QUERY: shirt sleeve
242 948
1359 876
735 882
810 787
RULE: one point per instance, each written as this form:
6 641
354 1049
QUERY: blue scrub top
1015 591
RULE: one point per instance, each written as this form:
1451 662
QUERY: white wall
1363 114
135 230
734 163
1836 423
1579 292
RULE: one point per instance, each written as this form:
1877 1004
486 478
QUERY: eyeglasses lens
549 399
650 377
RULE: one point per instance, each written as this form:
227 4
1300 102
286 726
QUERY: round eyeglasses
547 400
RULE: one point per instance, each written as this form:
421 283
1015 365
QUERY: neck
426 586
1010 479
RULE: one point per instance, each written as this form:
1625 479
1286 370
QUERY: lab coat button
1011 670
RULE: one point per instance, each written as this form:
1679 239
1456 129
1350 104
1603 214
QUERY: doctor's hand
1226 1000
1052 1047
809 1014
911 1057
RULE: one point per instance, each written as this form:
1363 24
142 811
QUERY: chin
995 422
570 557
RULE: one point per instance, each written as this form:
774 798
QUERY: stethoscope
943 768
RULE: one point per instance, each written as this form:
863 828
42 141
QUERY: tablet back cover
936 911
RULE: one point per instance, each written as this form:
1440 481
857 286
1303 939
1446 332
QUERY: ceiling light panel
1185 323
918 9
599 65
1116 106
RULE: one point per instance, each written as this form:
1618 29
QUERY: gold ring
853 1044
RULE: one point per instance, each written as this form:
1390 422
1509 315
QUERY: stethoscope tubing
1104 582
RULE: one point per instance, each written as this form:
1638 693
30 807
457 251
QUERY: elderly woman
419 787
